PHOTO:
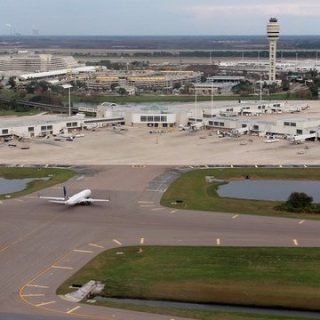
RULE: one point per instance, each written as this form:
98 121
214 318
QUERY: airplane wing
93 200
53 198
58 201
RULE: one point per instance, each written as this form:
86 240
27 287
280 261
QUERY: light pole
68 86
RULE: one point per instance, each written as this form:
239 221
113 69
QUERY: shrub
299 200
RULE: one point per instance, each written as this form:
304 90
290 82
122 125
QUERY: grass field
18 114
56 176
196 314
197 194
265 277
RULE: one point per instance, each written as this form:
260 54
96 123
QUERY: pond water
272 190
15 185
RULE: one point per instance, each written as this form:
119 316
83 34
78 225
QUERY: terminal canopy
66 86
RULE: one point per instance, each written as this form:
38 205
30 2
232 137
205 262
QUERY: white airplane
82 197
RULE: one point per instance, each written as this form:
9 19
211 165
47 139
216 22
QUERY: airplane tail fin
65 192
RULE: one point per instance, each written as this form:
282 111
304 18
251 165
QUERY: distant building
23 62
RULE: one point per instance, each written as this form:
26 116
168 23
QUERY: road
42 244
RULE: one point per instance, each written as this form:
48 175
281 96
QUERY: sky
157 17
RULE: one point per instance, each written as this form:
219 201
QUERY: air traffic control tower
273 30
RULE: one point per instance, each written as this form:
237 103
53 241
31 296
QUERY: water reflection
15 185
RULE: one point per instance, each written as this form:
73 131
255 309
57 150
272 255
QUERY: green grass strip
196 314
196 194
264 277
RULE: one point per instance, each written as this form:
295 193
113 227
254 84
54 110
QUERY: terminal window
163 119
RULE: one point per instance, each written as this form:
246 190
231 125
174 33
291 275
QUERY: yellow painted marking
117 242
33 295
73 309
295 242
82 251
142 241
302 221
96 245
218 241
62 267
4 248
157 209
44 303
37 286
235 216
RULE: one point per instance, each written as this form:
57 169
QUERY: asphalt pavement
42 244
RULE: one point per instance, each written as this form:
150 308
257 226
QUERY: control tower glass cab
273 31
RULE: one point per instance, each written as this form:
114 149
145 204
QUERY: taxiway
42 244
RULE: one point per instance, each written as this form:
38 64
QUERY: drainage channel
214 307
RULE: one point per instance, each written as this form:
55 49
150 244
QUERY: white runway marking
80 178
62 267
1 202
33 295
44 303
157 209
301 222
82 251
37 286
173 211
145 202
218 241
295 242
117 242
74 309
146 205
235 216
142 241
96 245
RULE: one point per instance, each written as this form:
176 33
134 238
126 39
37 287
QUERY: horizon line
152 35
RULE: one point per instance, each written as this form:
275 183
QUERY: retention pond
15 185
270 190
